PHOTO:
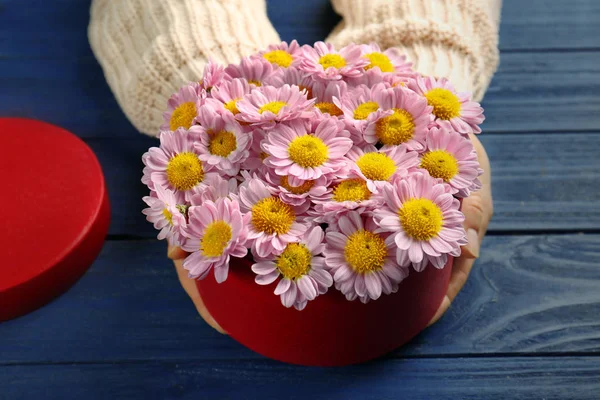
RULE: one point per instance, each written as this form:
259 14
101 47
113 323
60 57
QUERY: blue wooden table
526 325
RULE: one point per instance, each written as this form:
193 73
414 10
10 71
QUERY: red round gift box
330 331
55 213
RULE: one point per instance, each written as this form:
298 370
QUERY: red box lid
55 213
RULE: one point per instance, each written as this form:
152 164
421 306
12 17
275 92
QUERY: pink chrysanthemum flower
324 63
379 167
408 124
386 61
283 55
175 165
257 71
464 115
216 233
424 219
256 157
293 76
272 224
166 216
327 94
451 157
302 270
215 188
214 75
182 108
222 143
344 195
298 196
224 98
361 108
305 150
266 106
362 260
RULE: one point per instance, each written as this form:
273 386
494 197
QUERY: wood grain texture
527 294
546 378
555 24
540 181
525 325
544 92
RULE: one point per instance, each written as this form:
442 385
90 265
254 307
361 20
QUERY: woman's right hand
189 285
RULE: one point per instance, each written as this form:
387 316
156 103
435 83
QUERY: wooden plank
60 26
540 182
531 92
544 92
457 378
556 24
527 294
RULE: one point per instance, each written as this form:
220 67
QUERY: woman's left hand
478 209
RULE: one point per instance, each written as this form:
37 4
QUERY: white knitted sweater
149 48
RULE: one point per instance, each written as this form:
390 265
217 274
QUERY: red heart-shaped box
55 213
330 331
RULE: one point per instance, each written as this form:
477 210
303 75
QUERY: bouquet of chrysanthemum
322 167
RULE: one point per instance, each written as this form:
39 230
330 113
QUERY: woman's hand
189 284
478 209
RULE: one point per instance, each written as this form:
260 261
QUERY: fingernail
472 248
175 253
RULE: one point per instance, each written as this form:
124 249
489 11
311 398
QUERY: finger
441 310
176 253
189 285
478 207
460 272
477 211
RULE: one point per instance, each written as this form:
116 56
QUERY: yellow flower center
255 82
365 251
216 237
329 108
309 94
304 188
273 106
263 155
354 189
445 103
379 60
184 171
421 218
308 151
279 57
271 215
231 105
376 166
365 109
183 116
168 215
222 143
332 60
440 164
294 262
396 128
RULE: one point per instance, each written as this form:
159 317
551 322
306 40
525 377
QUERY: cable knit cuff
456 39
149 48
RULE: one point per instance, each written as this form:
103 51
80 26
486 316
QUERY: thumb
189 285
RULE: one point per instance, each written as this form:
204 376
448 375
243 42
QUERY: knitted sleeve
456 39
149 48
